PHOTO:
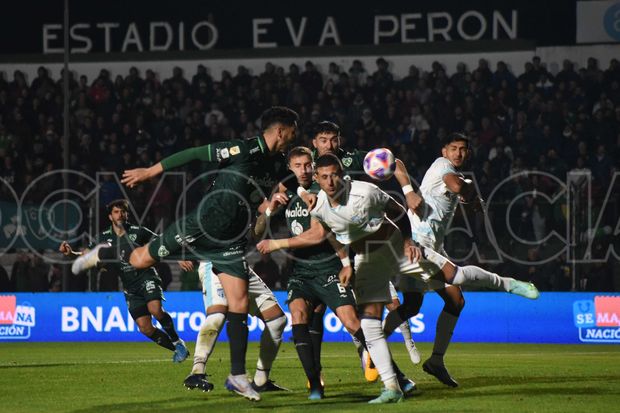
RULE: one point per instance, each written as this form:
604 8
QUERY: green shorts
323 288
137 298
185 240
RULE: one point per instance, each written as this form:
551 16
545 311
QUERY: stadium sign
143 26
571 318
16 320
598 320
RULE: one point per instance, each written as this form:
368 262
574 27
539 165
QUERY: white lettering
153 46
88 44
442 31
181 317
257 30
406 24
330 31
132 37
213 35
296 37
498 20
481 20
417 325
332 323
107 27
48 36
69 319
115 320
181 36
379 33
95 320
196 320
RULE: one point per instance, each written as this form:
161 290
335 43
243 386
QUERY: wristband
346 262
268 212
301 190
406 189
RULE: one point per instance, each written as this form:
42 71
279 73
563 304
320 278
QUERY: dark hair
329 159
455 137
278 114
298 151
325 127
117 203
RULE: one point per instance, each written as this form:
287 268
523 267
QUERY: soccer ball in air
380 164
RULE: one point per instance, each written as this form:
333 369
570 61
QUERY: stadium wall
399 63
570 318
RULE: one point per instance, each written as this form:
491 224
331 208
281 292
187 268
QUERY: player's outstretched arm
414 201
313 236
132 177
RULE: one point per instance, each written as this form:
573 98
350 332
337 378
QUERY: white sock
443 335
270 341
205 342
406 332
478 277
379 351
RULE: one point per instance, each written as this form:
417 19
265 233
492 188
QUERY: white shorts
418 275
374 270
261 297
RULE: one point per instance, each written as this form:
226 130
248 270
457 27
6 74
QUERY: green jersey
135 236
319 259
244 170
352 161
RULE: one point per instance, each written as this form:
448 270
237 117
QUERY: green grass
140 377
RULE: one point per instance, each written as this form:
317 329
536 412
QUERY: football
380 164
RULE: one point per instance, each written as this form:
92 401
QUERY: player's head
456 149
326 137
279 126
300 162
118 212
328 172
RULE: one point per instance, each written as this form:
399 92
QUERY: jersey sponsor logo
234 252
252 151
347 161
16 320
265 181
296 227
235 150
296 212
109 240
163 251
224 153
598 320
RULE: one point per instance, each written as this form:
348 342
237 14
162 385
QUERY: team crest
235 150
347 161
132 237
163 251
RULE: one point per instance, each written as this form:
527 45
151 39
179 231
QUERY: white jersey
430 230
362 213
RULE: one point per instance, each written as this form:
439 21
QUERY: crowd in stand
518 120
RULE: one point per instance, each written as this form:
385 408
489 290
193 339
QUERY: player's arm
220 152
346 272
459 185
306 196
414 201
66 249
313 236
268 208
398 215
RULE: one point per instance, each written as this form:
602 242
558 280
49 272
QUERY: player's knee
146 328
299 316
455 306
276 326
137 259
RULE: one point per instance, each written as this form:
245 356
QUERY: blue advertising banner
488 317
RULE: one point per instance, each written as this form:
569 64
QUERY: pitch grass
140 377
